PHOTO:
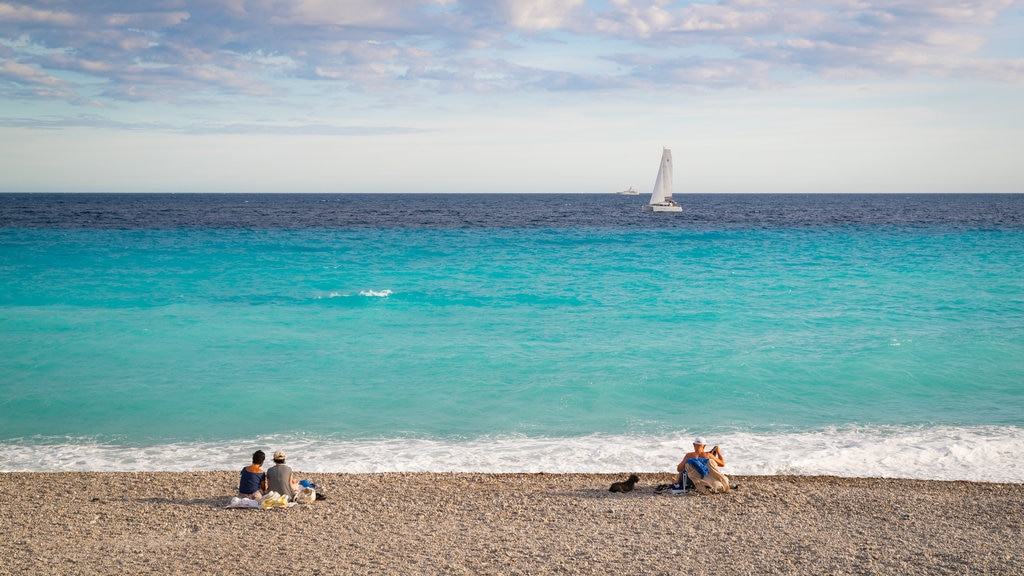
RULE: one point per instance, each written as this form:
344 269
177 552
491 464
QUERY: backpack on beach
305 496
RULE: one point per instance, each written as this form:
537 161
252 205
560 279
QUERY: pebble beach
466 523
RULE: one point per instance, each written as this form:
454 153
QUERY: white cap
700 440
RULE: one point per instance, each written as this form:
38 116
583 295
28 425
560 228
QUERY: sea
857 335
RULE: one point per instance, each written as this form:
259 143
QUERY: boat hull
663 208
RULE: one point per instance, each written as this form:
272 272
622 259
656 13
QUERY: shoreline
939 452
66 523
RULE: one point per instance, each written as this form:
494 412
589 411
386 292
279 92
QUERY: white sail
661 197
663 184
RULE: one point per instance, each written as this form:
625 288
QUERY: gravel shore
425 523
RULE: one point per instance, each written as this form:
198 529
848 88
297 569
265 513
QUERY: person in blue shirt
253 481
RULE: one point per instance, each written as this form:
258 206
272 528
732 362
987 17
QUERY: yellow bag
273 499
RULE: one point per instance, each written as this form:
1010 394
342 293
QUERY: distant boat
661 197
629 192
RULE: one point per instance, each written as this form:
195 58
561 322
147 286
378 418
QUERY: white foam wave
376 293
987 454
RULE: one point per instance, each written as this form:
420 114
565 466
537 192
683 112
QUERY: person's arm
264 484
716 455
682 464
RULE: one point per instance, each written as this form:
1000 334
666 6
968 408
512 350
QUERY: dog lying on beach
625 486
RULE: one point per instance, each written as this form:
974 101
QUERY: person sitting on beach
698 465
253 483
281 478
700 468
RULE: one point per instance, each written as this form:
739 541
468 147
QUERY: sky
552 96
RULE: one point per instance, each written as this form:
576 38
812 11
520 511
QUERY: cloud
182 51
541 14
274 129
344 13
32 82
27 74
299 129
21 14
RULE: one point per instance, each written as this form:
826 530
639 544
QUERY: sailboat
629 192
661 197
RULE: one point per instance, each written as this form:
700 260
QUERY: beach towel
237 502
711 481
701 464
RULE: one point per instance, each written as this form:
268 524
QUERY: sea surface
854 335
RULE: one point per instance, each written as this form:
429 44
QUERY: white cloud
21 14
148 20
717 18
198 50
542 14
382 13
27 74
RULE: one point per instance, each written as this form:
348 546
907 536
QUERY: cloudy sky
511 95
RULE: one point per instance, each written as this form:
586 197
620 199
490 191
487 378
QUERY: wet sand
425 523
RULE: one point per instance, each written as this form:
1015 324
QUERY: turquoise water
596 348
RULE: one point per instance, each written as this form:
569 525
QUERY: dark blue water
701 211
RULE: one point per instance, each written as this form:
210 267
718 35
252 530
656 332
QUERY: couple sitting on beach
699 471
279 481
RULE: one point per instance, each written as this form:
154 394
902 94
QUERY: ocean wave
376 293
983 454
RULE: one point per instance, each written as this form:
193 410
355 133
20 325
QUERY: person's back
253 481
700 468
280 476
695 467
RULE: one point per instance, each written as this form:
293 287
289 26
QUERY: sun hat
279 455
698 440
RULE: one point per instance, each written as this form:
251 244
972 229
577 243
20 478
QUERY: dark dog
626 486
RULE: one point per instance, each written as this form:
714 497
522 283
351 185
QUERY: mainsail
663 184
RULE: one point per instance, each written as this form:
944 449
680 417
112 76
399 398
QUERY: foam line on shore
988 454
